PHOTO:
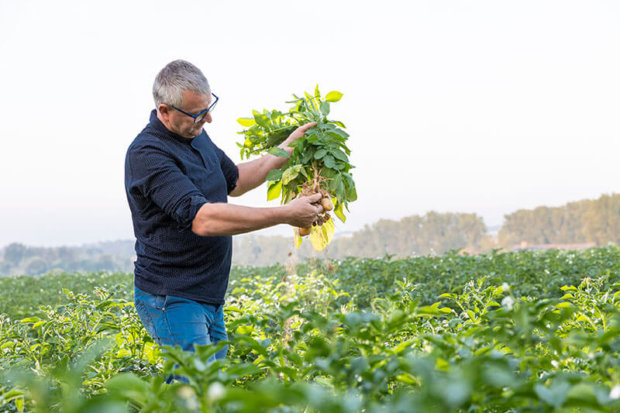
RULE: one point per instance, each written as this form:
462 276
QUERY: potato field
528 331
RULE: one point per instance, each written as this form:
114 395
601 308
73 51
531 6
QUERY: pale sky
460 106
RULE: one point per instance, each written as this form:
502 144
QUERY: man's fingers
307 126
297 133
315 197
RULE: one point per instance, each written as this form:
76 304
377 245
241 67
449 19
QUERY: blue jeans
180 321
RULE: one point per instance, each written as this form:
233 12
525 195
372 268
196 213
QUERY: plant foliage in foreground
503 340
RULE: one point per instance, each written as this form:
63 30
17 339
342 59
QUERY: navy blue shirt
167 179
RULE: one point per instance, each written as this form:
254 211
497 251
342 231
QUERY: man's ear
164 111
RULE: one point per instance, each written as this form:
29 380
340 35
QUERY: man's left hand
297 133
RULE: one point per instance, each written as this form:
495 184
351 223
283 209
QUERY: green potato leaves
319 161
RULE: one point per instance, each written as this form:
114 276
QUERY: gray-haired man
177 183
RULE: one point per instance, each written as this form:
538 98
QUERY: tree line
587 221
19 259
432 233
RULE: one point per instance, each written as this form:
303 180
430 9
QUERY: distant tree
66 254
5 268
14 253
107 263
570 227
602 220
36 266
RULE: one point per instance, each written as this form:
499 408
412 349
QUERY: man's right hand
220 218
304 211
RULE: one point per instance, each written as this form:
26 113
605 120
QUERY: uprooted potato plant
319 162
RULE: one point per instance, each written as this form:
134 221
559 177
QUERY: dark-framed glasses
200 116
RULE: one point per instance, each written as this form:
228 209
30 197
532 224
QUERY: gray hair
176 77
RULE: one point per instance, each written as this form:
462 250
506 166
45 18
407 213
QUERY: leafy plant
319 162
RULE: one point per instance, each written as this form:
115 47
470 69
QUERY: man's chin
192 134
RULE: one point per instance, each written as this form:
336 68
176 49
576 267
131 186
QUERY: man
177 182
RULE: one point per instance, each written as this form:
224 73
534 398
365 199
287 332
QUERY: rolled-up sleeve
155 177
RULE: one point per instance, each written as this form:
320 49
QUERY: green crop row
535 273
527 331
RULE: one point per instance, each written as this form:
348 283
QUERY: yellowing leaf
290 174
274 190
151 352
330 229
333 96
123 353
244 330
316 237
583 318
340 213
442 364
246 122
406 378
298 240
19 404
321 236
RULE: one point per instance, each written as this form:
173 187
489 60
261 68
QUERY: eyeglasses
200 116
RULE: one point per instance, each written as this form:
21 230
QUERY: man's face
184 125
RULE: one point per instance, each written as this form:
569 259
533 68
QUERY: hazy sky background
464 106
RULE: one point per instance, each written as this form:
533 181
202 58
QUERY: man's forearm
254 173
228 219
